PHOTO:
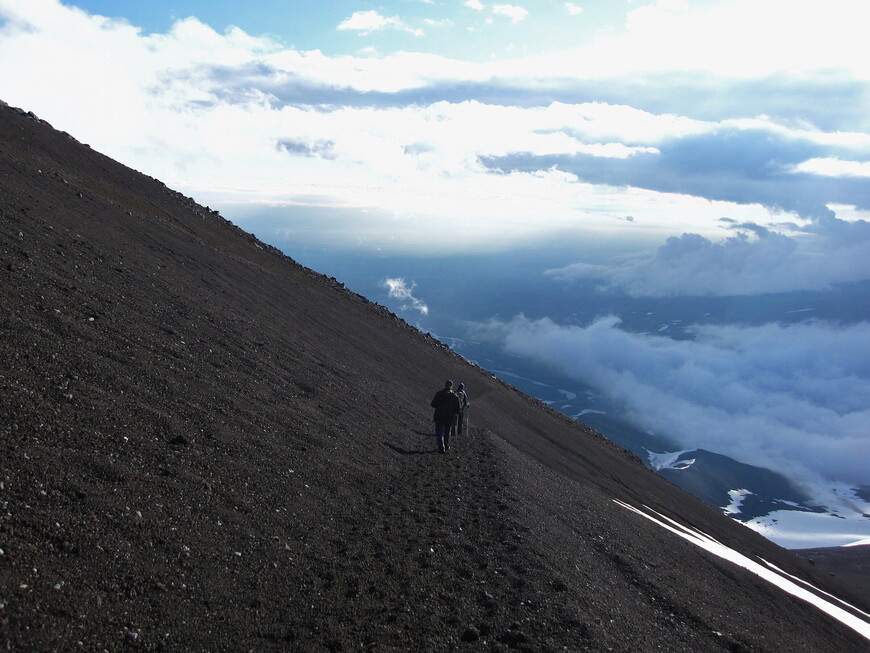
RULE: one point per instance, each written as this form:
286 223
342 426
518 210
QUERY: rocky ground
850 565
205 446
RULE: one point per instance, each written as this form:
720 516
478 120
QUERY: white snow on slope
587 411
669 460
800 580
768 573
794 529
504 373
737 497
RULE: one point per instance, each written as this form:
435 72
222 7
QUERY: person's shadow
408 452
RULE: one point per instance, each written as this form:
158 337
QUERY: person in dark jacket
446 405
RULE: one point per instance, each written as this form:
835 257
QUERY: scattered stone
513 638
471 634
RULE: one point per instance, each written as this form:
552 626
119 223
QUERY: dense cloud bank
755 261
792 398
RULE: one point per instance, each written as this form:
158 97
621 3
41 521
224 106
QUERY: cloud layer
755 261
504 152
791 398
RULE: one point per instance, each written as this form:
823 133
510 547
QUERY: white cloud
705 37
438 23
366 22
791 398
398 288
834 167
574 10
773 36
515 13
754 262
477 5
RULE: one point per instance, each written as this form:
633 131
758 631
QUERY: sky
665 149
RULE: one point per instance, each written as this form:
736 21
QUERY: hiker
446 405
462 423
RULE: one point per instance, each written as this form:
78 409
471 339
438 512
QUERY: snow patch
514 375
766 571
801 580
669 460
795 529
587 411
737 497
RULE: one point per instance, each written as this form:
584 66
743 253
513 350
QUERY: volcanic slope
206 446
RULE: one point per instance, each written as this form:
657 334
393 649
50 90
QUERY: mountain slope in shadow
206 446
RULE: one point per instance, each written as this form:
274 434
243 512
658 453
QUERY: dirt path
436 549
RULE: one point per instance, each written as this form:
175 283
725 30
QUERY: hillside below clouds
206 446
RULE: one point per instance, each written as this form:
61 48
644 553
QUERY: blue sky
657 148
474 30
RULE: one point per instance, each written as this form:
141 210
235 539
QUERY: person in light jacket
462 423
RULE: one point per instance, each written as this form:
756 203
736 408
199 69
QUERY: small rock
513 638
471 634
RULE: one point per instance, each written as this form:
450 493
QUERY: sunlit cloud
398 288
573 9
366 22
438 23
514 12
818 35
833 167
